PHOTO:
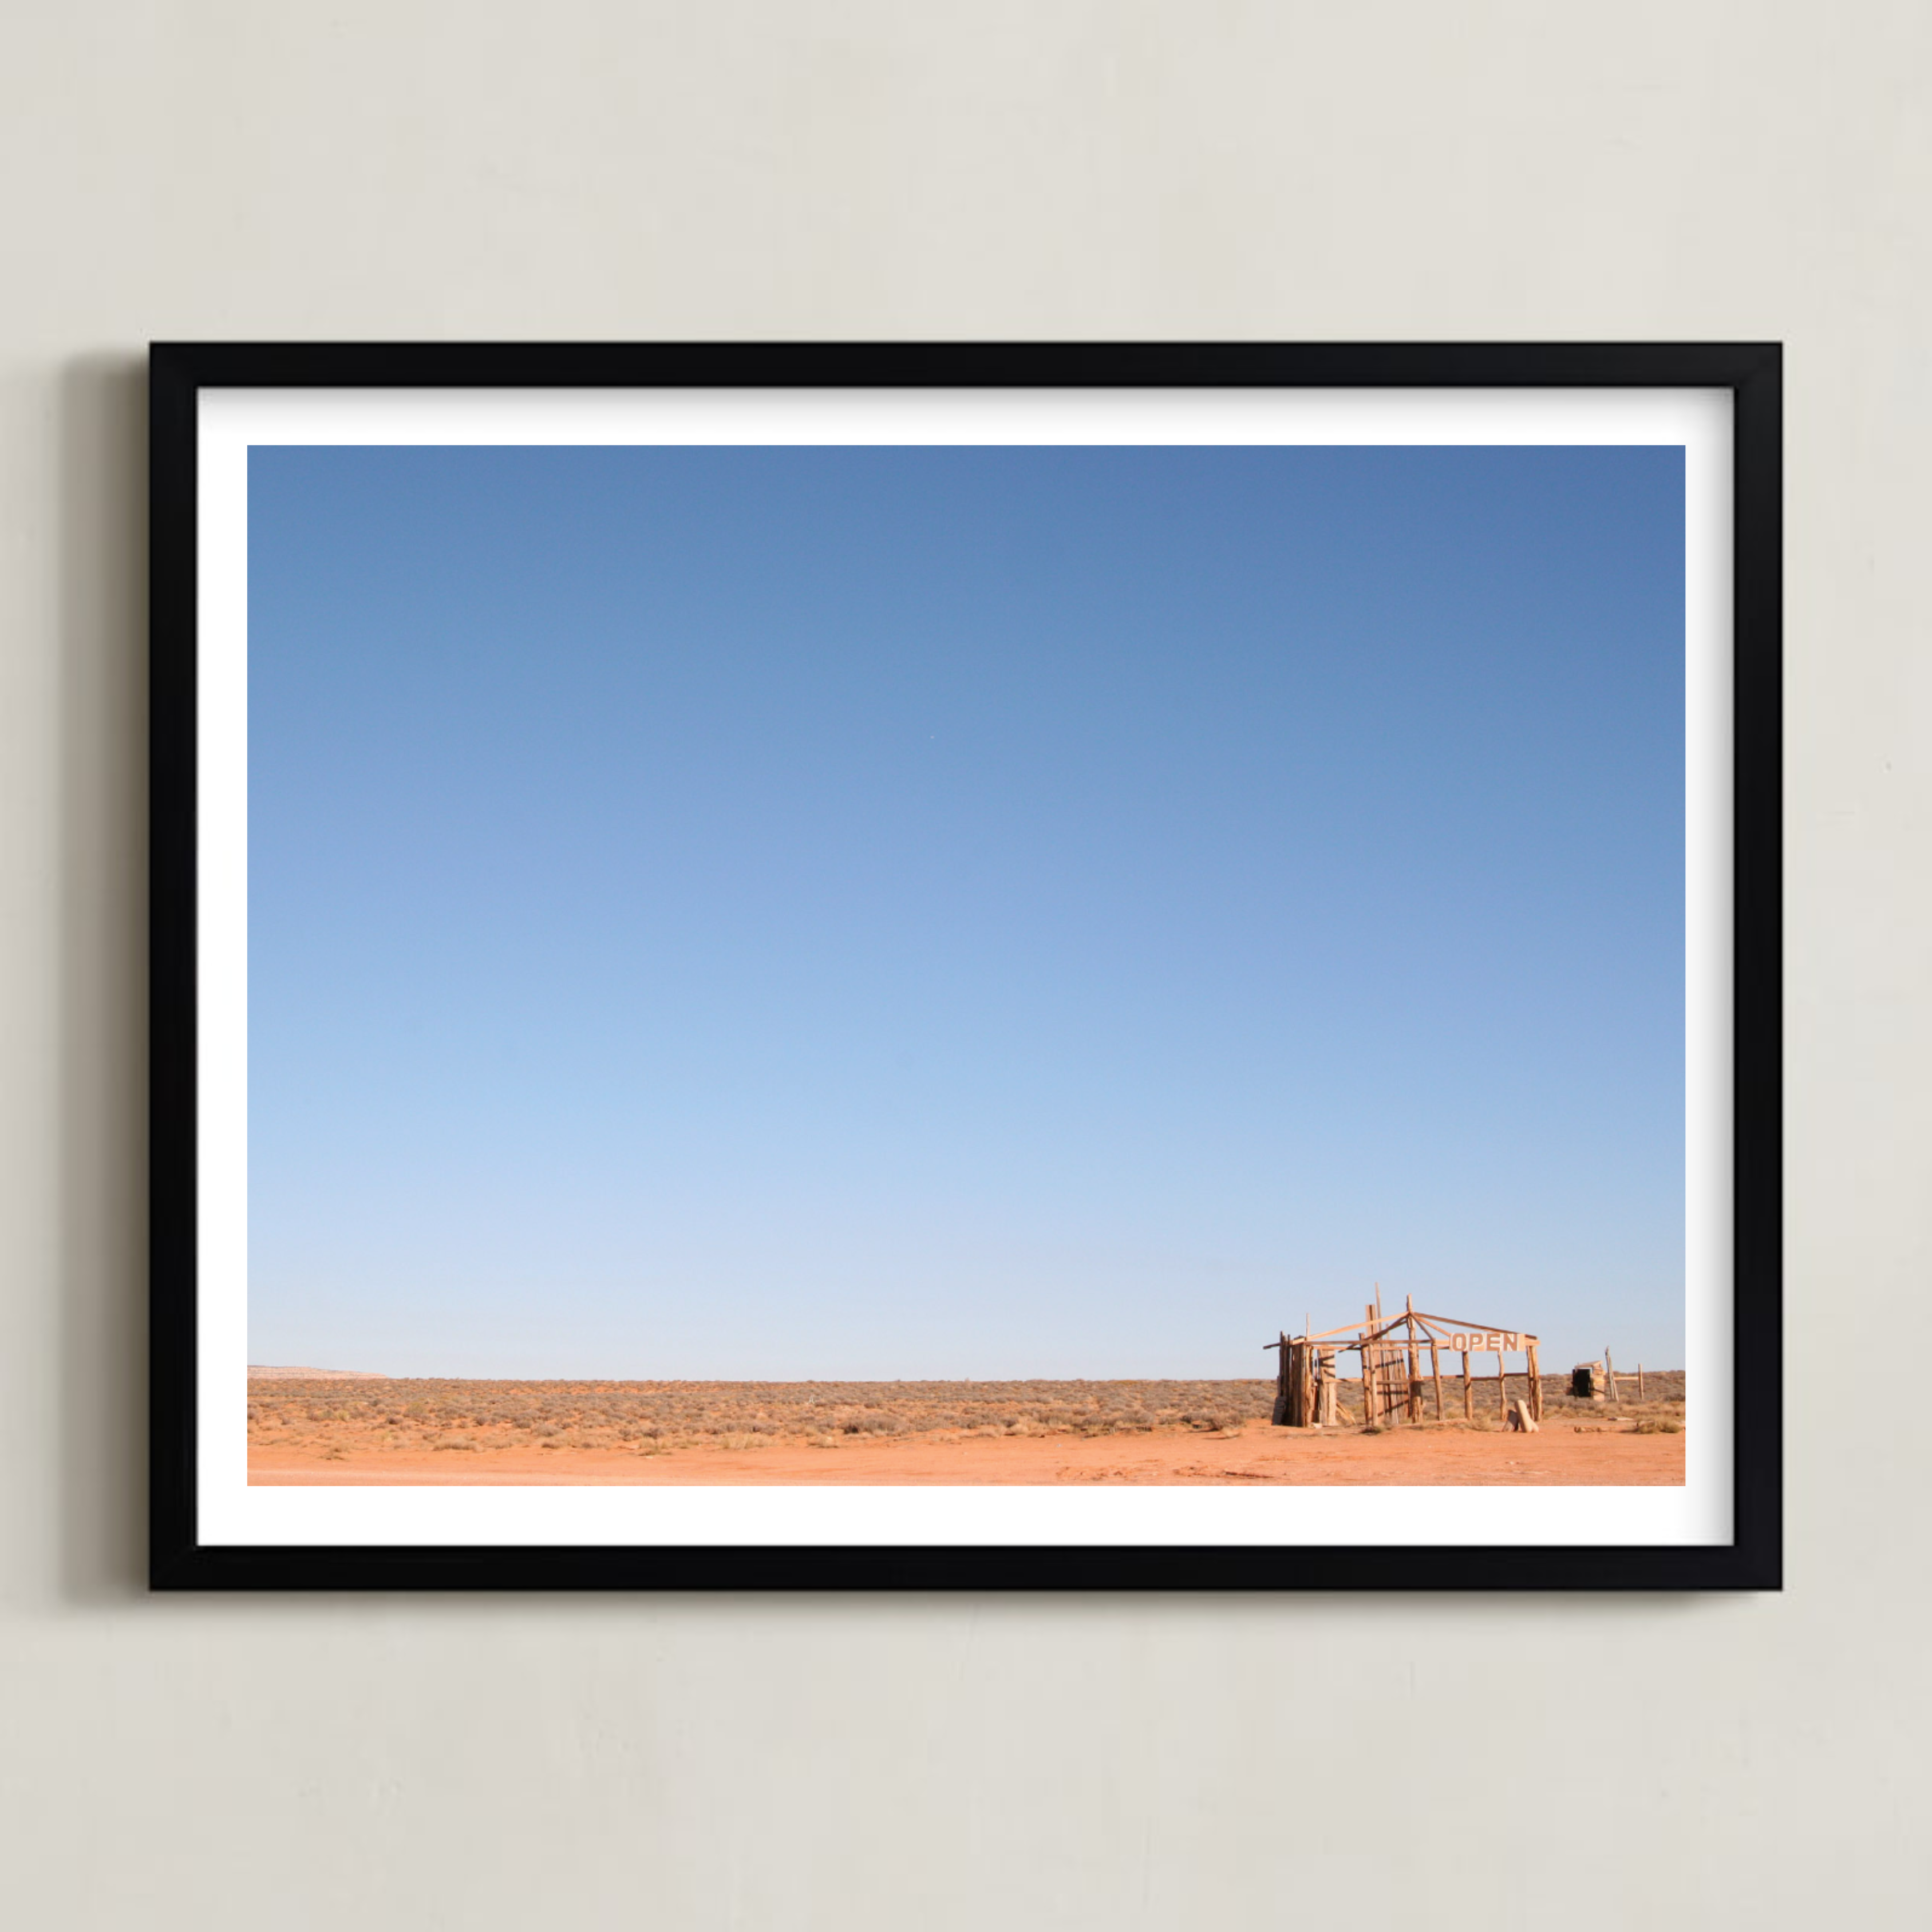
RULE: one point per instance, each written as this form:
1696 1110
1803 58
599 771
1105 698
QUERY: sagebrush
644 1416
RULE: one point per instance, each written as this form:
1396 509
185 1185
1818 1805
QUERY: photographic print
1062 967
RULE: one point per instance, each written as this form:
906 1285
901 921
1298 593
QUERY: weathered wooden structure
1395 1387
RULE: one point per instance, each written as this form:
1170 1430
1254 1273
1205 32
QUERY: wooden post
1535 1385
1281 1384
1415 1364
1610 1376
1384 1415
1468 1391
1435 1374
1371 1395
1502 1386
1639 1381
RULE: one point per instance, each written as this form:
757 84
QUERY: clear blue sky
799 913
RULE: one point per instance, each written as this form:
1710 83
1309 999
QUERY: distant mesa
258 1373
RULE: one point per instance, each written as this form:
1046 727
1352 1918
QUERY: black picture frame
180 372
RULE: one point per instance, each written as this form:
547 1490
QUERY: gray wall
1005 168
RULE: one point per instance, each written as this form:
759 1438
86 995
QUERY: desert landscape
338 1427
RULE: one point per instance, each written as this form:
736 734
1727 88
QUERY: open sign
1490 1341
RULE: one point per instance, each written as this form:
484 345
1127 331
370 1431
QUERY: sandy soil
1560 1453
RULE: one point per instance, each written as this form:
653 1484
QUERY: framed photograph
988 966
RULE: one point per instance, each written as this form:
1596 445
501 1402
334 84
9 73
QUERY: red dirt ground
1560 1453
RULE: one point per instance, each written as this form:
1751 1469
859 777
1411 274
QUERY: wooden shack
1396 1387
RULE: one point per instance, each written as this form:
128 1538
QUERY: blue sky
788 912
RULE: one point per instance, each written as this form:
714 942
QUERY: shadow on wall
100 1132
